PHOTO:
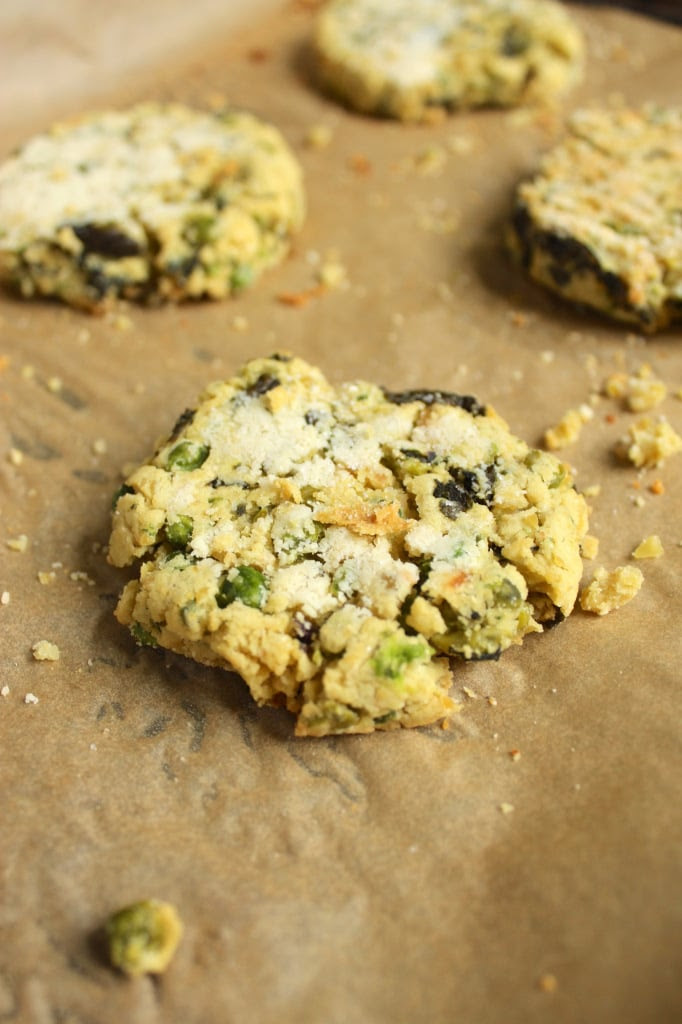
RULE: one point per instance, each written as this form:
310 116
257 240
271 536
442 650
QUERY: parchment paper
423 877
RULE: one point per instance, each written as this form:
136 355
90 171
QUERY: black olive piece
304 630
218 481
106 241
412 453
466 402
266 382
454 498
182 421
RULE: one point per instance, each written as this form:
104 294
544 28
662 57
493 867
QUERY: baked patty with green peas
405 58
601 222
338 546
156 203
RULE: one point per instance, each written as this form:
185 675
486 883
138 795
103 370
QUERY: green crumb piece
143 937
179 532
143 636
247 585
395 653
187 455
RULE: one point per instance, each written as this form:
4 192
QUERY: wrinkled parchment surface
428 876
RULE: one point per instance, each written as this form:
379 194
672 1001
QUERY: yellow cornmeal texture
609 590
649 442
408 58
600 222
156 203
336 545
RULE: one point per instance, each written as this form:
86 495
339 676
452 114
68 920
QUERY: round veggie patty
336 546
155 203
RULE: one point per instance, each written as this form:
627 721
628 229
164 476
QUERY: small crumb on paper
5 597
609 590
639 392
30 698
649 442
567 430
506 808
144 936
548 983
318 136
4 691
650 547
44 650
19 543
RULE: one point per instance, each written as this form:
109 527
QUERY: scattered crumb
302 298
4 597
78 576
436 217
568 428
640 392
44 650
492 701
461 144
515 754
240 323
657 487
99 446
360 164
547 356
28 372
431 160
258 55
121 322
318 136
650 547
15 456
4 691
649 442
548 983
610 590
589 546
471 694
506 808
54 384
30 698
593 491
46 578
144 936
19 543
332 273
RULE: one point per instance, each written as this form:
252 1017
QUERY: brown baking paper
520 866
